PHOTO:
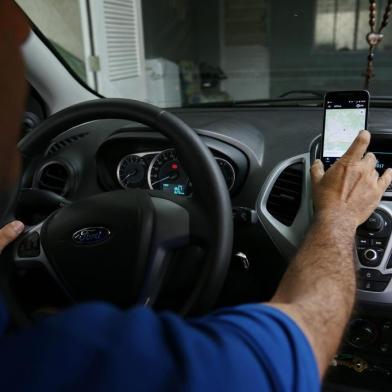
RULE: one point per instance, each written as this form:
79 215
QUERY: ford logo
91 235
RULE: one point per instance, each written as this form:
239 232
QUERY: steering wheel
118 245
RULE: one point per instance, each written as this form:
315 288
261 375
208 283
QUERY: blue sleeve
98 347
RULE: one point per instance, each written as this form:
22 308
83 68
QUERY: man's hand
9 233
351 189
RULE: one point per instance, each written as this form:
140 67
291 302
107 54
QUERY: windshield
175 53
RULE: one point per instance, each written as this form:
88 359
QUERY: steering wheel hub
100 245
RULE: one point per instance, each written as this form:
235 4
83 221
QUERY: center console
374 260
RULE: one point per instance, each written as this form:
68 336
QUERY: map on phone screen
341 128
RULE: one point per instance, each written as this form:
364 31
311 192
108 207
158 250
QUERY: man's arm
318 289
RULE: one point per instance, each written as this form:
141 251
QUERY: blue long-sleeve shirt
96 347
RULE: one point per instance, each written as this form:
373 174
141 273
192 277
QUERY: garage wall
296 63
168 29
182 30
245 48
207 31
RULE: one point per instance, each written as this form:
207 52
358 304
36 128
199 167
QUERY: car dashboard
265 154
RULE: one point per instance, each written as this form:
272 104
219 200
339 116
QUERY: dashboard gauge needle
172 176
162 179
132 173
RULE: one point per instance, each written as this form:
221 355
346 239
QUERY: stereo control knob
375 222
370 255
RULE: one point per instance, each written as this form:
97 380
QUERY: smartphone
345 114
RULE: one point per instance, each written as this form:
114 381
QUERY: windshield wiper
297 102
375 101
315 93
289 98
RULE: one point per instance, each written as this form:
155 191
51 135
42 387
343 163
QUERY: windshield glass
176 53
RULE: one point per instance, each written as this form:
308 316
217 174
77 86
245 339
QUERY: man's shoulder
255 347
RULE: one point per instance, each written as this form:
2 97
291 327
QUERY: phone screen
345 116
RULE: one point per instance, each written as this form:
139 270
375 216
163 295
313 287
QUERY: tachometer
131 171
167 174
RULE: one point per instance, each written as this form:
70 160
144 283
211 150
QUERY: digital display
342 123
175 189
384 161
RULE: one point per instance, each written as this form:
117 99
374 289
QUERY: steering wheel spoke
28 253
200 224
171 232
33 198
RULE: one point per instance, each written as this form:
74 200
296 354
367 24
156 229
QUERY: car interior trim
287 238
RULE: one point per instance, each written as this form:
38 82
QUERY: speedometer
167 174
131 171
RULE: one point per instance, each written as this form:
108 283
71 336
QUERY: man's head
14 29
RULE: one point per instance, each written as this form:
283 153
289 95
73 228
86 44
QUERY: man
284 345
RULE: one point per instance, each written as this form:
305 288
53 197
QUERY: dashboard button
375 222
380 252
369 257
361 333
29 246
378 225
373 274
369 285
378 243
244 216
385 347
369 274
370 254
385 337
363 242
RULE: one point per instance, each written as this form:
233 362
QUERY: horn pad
99 246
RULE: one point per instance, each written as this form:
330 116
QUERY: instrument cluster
162 170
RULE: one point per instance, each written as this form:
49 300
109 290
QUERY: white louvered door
118 48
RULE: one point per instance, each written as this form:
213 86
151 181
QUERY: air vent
57 146
285 198
54 177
